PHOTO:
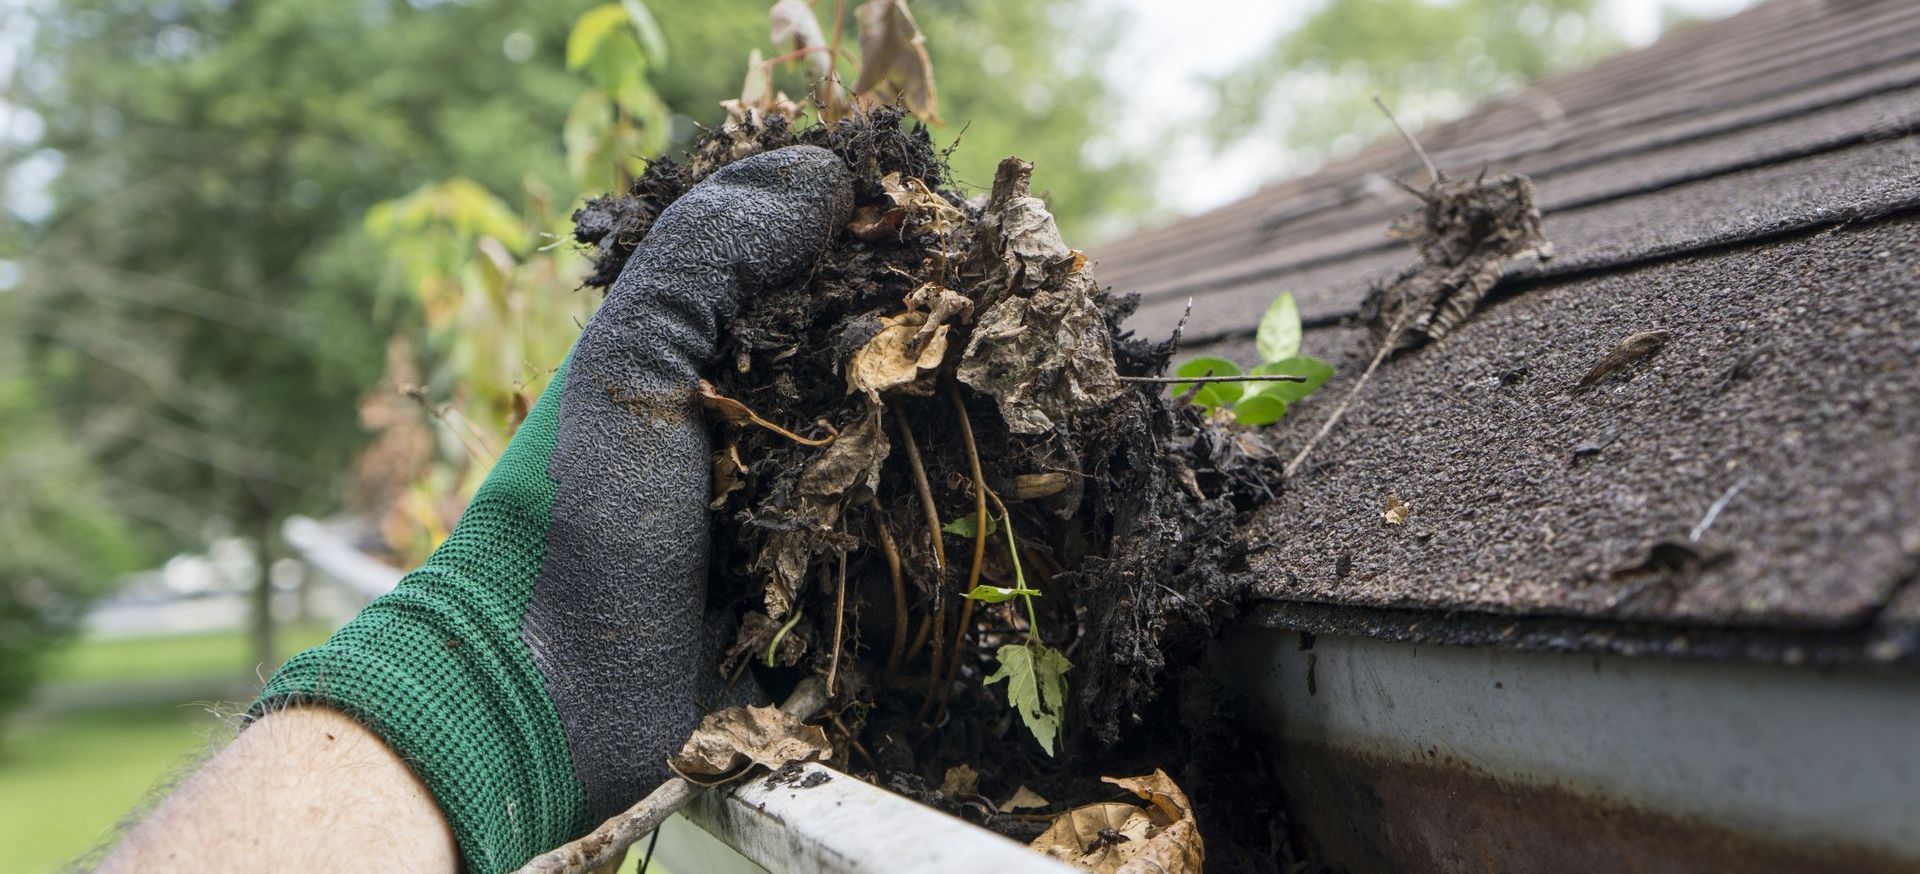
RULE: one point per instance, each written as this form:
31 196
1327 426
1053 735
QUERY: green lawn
68 773
218 654
66 778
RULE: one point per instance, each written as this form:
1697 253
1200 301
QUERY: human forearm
302 789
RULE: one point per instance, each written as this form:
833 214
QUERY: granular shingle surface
1750 186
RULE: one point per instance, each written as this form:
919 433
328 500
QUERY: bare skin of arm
303 789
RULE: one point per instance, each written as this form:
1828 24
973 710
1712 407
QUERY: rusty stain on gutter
1367 812
1416 757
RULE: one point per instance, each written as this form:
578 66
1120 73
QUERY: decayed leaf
1023 799
960 779
941 303
756 102
850 464
1042 348
729 475
1115 838
921 204
890 363
1036 676
1028 486
894 52
1043 358
873 222
1396 512
730 742
722 407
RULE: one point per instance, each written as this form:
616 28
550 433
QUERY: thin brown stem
979 542
920 636
1433 173
612 838
839 622
925 489
892 553
1386 348
1182 380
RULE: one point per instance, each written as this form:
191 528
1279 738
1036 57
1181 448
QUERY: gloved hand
542 665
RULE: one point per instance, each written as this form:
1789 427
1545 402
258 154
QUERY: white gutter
328 547
820 820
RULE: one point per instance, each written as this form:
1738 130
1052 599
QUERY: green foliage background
197 315
201 307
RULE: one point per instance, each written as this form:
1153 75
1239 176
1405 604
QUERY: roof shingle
1750 185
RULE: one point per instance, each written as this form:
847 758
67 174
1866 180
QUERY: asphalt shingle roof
1750 185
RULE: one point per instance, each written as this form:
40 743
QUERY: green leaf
1315 371
1259 409
651 40
1279 334
1036 678
964 526
996 594
1211 394
591 31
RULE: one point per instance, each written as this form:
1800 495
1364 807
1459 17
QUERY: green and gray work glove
542 665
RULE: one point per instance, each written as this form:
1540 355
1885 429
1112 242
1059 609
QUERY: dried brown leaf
1115 838
960 779
1028 486
875 222
729 475
1042 348
1396 512
893 59
842 471
725 408
921 204
1023 799
890 362
730 742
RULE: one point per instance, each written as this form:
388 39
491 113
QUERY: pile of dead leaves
935 488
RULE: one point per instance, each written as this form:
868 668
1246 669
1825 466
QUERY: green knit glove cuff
437 668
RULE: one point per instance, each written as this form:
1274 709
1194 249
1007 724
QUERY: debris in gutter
947 402
1396 512
1466 233
1118 838
730 742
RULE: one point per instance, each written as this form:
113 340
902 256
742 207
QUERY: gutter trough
1407 757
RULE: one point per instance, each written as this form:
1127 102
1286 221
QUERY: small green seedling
1259 403
1036 674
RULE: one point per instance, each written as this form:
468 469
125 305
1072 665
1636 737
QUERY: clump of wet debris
951 359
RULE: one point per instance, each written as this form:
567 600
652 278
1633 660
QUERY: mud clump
947 356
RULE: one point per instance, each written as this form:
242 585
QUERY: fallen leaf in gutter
1023 799
730 742
1116 838
961 779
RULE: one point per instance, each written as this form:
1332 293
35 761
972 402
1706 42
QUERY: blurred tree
199 304
1428 59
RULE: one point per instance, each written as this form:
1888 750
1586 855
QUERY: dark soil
1128 505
